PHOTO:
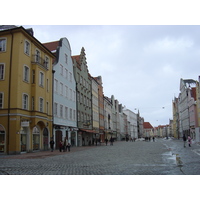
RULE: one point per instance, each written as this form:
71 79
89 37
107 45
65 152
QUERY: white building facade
132 123
64 106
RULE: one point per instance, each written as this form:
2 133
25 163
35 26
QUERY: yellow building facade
25 92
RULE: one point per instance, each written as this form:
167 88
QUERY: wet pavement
163 157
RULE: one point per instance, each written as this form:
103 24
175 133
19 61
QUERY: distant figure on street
184 140
111 141
96 141
51 144
68 147
153 138
106 140
60 146
65 144
189 141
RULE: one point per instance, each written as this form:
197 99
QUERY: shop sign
25 124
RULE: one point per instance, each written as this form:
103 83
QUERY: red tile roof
52 46
147 125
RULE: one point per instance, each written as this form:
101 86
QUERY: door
58 138
45 138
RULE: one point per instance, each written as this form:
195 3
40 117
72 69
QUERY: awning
87 130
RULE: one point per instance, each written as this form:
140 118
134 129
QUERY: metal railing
40 61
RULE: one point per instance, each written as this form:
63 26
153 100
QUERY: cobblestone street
163 157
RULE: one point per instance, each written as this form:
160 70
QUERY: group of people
63 146
185 139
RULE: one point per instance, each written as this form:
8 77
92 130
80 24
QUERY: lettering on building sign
25 124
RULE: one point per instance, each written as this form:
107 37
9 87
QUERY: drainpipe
9 94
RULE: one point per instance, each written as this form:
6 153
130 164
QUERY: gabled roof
52 46
147 125
193 93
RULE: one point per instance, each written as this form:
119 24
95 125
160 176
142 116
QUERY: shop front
2 139
36 139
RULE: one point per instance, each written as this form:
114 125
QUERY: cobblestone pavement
163 157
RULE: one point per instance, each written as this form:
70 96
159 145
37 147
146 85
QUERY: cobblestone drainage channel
179 163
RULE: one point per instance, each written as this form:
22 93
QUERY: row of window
27 50
83 100
83 117
25 103
26 75
83 81
65 73
64 112
64 90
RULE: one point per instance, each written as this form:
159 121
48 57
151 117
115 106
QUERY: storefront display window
36 139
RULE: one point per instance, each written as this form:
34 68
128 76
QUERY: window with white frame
25 102
33 76
41 79
66 112
41 104
70 94
46 63
61 88
66 58
74 115
70 76
37 56
66 91
27 47
61 111
1 100
2 44
56 109
78 113
26 73
56 85
66 73
74 99
61 70
2 71
70 114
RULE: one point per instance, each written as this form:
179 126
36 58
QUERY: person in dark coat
68 146
184 140
106 140
60 146
51 144
111 141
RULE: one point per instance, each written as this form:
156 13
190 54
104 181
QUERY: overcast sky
141 65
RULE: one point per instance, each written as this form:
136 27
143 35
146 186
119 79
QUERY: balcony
40 61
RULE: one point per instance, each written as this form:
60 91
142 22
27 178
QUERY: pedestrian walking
68 146
189 141
65 143
153 138
60 146
51 144
184 140
111 141
106 140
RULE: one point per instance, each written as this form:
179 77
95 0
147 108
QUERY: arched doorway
2 139
45 138
36 138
